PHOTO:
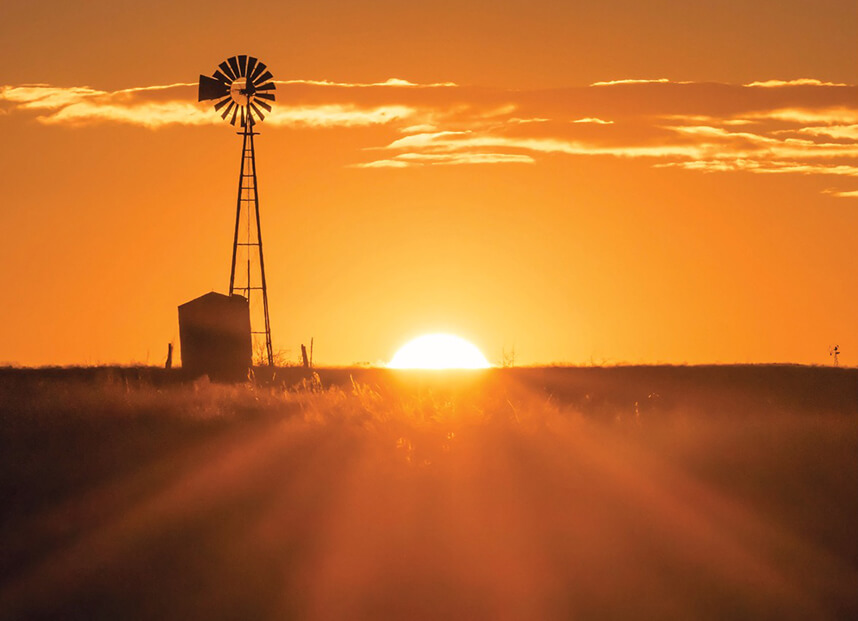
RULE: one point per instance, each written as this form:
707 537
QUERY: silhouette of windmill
243 87
834 352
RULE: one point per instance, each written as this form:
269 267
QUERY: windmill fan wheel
242 87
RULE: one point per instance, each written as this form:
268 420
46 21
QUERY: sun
439 351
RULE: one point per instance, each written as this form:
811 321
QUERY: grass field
551 493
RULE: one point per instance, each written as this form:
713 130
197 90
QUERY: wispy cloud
845 132
174 104
463 142
594 120
770 167
631 81
842 193
151 115
447 159
389 82
337 115
798 82
45 97
701 127
798 127
826 116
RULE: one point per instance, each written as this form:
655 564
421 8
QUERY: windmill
242 87
834 352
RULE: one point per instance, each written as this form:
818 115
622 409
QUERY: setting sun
439 351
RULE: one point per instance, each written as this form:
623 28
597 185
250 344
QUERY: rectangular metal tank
214 332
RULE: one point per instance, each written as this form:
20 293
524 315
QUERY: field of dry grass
555 493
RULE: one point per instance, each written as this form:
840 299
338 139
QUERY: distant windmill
243 87
834 352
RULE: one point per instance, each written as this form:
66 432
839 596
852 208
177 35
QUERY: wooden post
304 356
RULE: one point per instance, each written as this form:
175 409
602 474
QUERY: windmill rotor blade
256 95
259 69
210 88
224 66
228 109
263 78
251 65
222 103
233 62
257 111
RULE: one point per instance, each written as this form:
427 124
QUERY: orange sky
602 182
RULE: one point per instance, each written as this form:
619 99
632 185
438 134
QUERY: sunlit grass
371 494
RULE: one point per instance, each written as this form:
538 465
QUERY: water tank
214 332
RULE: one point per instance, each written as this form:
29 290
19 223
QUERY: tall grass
368 494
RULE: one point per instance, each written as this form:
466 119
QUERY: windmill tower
242 88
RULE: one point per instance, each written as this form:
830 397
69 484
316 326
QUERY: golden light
439 351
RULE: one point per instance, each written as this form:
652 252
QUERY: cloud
763 167
797 127
697 127
749 143
410 159
798 82
631 81
151 115
473 142
845 132
830 116
337 115
536 120
594 120
389 82
394 163
842 193
174 104
45 97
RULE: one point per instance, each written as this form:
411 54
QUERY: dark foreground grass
638 492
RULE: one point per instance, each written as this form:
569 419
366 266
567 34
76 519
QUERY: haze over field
645 493
588 182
